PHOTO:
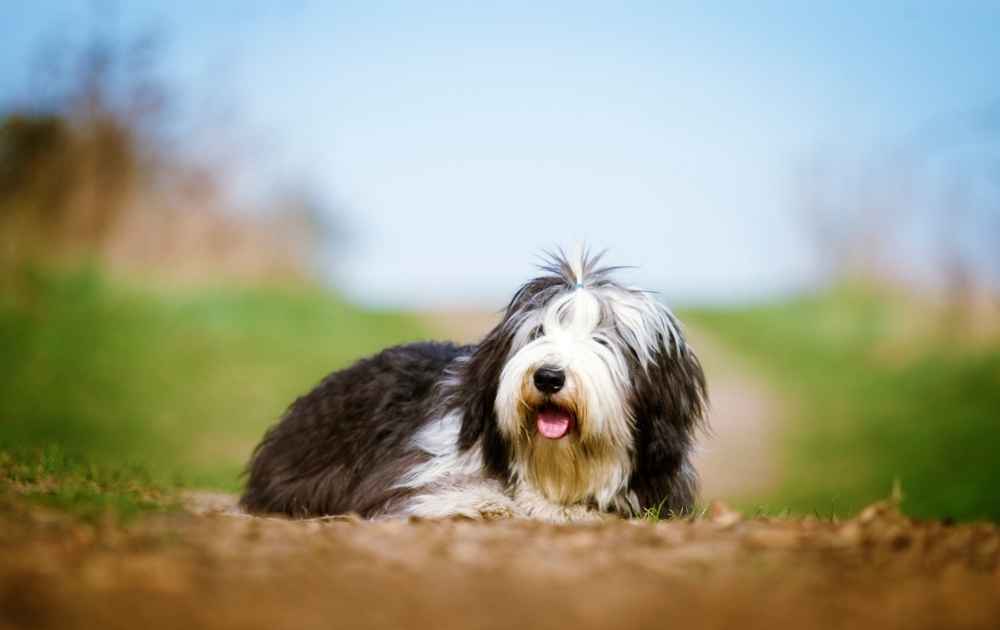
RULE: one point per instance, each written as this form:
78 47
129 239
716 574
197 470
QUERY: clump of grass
655 513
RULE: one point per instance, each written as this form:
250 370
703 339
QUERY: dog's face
577 362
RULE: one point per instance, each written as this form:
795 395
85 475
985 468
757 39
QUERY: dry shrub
93 172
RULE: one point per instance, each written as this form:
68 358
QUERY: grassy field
880 392
121 390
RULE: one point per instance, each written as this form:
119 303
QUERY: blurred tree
33 153
310 224
942 183
72 158
92 164
849 210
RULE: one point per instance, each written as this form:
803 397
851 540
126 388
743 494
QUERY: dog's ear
669 401
480 377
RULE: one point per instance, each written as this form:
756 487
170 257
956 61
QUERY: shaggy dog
582 401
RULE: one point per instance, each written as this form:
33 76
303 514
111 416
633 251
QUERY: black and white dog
583 401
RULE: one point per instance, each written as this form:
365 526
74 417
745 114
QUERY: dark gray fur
342 447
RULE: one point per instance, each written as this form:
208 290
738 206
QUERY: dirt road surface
217 570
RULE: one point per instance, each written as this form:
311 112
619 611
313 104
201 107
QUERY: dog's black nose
549 380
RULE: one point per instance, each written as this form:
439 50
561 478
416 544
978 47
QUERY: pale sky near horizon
463 138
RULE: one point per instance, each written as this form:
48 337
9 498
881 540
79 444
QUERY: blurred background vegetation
153 321
152 326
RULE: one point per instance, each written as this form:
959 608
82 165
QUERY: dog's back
342 447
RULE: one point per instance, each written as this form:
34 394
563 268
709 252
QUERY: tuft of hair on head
579 270
583 271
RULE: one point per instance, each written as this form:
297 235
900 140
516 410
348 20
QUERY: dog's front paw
496 511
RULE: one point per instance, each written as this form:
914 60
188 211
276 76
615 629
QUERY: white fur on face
597 334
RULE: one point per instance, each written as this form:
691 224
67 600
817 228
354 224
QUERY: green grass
873 403
655 513
73 484
163 387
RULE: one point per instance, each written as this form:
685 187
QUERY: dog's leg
532 504
478 500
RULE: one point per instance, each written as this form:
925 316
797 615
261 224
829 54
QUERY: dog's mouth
555 422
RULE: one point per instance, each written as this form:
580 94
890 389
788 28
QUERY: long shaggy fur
434 429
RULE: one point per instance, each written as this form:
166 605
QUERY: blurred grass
52 478
880 392
115 384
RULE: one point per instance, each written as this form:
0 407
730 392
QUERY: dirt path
738 458
220 571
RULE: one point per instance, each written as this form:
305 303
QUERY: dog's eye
604 342
536 332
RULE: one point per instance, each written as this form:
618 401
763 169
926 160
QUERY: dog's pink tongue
554 423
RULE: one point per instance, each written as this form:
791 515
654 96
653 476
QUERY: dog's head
583 385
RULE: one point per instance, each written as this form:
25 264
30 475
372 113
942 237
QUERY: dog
581 404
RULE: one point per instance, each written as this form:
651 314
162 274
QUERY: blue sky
462 138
